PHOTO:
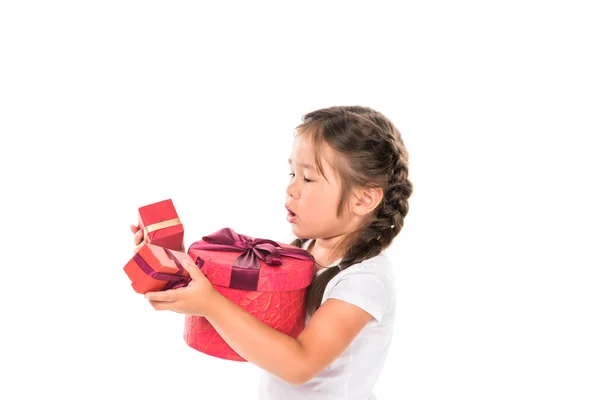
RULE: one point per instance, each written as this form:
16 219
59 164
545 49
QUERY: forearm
258 343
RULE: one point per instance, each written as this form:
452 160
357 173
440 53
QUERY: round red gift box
278 301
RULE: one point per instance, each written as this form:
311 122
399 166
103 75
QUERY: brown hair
372 154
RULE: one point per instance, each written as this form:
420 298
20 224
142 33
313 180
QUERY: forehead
303 149
303 152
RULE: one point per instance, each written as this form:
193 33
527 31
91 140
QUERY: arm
329 332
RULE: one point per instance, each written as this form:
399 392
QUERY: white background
108 106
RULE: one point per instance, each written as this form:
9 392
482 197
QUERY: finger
166 296
163 305
138 238
134 228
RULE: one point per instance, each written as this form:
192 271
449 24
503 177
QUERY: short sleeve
364 288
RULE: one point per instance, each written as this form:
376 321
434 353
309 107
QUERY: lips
291 217
290 211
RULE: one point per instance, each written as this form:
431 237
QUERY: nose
292 190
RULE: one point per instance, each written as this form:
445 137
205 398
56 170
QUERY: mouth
291 217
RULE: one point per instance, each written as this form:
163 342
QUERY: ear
366 200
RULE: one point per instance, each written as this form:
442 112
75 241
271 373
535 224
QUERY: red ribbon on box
246 268
174 281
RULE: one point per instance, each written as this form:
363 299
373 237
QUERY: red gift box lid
160 260
292 274
155 268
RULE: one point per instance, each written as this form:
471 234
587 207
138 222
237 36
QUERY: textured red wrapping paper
278 301
155 268
160 224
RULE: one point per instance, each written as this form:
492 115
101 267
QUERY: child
346 200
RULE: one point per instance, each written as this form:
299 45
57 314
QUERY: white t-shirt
370 286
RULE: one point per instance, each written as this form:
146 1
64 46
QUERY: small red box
272 287
154 268
161 225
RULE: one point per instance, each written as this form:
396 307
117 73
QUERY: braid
299 242
366 136
394 206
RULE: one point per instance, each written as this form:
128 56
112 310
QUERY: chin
297 232
302 233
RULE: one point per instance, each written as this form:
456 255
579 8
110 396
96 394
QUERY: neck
324 249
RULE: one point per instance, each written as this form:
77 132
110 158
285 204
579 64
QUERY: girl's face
311 200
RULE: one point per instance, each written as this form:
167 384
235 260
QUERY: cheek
316 198
325 203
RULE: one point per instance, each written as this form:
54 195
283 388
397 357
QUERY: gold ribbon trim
160 225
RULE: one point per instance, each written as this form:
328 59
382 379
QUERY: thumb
191 268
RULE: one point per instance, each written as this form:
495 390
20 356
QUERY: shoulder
368 284
378 265
378 268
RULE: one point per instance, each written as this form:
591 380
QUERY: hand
194 299
138 237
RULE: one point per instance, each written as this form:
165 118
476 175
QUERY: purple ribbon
173 281
246 268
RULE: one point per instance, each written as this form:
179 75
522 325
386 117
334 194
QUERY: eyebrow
307 166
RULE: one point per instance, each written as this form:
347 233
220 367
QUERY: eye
292 175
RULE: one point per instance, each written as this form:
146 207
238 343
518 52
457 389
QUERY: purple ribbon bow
173 281
246 268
